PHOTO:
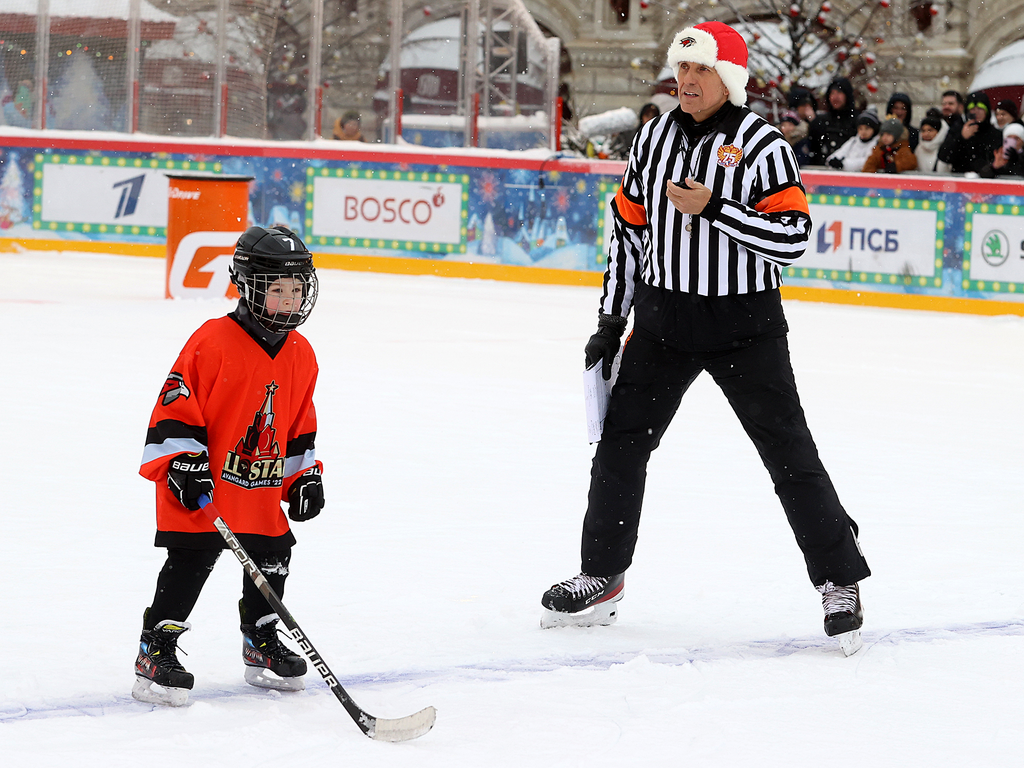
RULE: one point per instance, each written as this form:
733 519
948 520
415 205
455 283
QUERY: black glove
306 496
189 477
604 345
835 162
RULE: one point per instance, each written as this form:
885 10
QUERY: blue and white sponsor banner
854 239
108 195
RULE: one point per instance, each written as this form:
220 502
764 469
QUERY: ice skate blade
850 642
144 691
264 678
601 615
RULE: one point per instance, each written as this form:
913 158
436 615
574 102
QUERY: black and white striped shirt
756 222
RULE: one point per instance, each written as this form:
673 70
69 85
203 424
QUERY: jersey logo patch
174 388
729 155
256 461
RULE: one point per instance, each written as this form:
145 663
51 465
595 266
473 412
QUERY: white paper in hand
596 392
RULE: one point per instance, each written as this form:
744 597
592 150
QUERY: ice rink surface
456 471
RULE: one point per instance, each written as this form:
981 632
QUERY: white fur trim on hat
700 47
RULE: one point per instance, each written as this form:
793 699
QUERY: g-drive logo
830 238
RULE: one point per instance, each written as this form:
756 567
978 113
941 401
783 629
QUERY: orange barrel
206 214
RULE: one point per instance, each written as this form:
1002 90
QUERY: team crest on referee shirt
729 155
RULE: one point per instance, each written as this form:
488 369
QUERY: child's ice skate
157 665
268 662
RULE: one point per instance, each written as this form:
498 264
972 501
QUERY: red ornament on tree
872 85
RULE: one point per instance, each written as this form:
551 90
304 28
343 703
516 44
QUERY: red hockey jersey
251 409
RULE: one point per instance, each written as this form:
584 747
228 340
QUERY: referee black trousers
756 377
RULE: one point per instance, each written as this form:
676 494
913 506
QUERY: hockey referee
711 208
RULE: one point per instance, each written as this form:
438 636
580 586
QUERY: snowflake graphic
487 187
296 191
561 201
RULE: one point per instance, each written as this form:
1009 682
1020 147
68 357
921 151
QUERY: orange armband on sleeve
789 199
632 213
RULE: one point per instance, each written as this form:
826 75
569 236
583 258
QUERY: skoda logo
995 247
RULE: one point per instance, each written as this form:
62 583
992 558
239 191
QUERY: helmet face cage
280 301
273 271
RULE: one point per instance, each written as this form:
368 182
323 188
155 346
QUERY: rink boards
936 242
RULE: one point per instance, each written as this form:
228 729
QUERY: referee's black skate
582 601
844 615
268 662
157 665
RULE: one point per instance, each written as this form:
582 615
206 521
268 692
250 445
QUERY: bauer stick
400 729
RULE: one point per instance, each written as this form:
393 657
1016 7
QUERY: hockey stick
400 729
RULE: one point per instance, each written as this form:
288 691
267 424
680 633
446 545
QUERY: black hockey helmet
262 258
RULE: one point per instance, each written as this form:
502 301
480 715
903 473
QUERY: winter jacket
927 153
973 154
912 132
832 128
853 154
1014 167
895 158
799 142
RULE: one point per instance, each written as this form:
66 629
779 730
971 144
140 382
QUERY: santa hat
715 45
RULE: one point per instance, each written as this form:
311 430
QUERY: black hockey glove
189 477
604 345
306 496
836 163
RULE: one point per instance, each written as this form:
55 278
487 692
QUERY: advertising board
994 248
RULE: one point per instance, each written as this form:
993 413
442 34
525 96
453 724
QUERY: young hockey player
235 421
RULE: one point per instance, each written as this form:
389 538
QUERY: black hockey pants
185 573
753 370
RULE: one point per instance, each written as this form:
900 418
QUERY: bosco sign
405 211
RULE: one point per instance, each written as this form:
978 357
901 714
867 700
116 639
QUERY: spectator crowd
962 135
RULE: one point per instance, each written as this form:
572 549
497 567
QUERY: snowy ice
456 470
